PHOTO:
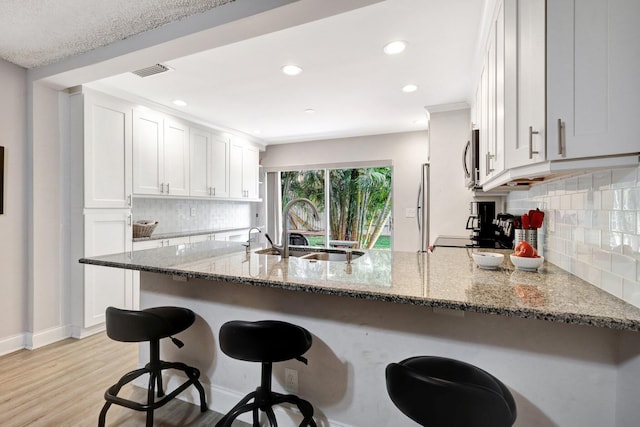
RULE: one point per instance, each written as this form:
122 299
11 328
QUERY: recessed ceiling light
310 111
291 70
395 47
409 88
179 103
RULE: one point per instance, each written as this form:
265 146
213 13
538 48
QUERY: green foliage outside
359 206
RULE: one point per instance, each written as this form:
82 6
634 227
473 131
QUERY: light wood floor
63 384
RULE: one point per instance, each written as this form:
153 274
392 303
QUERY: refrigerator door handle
419 208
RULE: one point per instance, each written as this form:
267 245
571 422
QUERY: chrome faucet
248 245
285 215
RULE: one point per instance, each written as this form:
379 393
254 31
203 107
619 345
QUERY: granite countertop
447 279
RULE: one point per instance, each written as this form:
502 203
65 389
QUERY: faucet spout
248 245
285 217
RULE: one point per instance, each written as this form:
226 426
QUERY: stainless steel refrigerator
422 208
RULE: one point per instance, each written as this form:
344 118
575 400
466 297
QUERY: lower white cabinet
107 232
202 238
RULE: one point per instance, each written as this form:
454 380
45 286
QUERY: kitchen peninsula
534 331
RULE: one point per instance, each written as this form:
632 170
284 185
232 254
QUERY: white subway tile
624 178
602 259
631 199
612 284
631 292
585 182
623 266
602 180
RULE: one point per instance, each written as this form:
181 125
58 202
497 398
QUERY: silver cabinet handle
162 187
129 220
488 158
562 147
214 190
531 133
167 188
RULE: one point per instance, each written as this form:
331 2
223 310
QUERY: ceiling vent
152 70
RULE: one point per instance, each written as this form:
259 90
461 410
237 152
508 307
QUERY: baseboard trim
46 337
11 344
78 332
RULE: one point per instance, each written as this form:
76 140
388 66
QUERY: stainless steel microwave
471 160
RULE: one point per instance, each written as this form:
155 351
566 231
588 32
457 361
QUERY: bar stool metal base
263 399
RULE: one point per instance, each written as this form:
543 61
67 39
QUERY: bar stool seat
265 341
441 392
151 325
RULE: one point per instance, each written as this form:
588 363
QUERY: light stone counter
445 279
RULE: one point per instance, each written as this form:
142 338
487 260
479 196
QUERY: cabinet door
107 152
200 148
106 233
236 189
176 158
593 84
530 144
148 154
219 166
250 163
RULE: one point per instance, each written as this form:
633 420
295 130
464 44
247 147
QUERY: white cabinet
209 164
106 233
141 245
100 195
243 170
593 83
160 154
106 138
491 100
202 238
530 146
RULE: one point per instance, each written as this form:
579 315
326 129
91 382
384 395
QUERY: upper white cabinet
593 78
243 170
160 154
491 100
209 164
102 129
530 145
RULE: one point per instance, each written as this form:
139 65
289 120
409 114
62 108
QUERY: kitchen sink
314 254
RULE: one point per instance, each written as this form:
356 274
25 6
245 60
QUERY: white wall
13 223
47 235
405 151
449 197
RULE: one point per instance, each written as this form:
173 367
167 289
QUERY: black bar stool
150 325
441 392
266 342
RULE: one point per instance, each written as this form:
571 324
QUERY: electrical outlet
193 211
291 380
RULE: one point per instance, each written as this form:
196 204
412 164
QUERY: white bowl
487 260
527 264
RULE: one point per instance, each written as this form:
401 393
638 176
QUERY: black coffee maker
481 223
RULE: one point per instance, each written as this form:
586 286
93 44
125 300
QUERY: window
354 205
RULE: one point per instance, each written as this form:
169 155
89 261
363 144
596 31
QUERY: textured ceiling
34 33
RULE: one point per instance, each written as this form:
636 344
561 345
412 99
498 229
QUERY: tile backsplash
175 215
591 227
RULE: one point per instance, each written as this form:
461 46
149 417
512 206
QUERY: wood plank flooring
63 384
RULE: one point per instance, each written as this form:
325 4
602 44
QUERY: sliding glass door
355 206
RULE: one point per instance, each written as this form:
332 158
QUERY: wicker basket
143 228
